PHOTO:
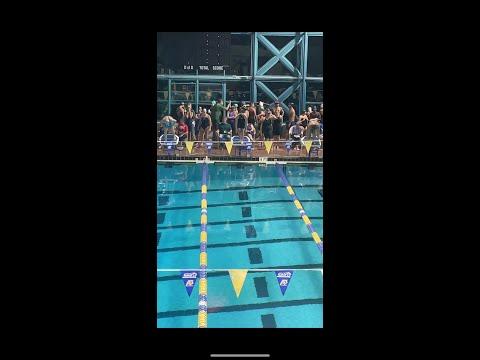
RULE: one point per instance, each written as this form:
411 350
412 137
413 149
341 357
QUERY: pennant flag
268 145
284 277
308 145
189 278
238 279
189 145
229 145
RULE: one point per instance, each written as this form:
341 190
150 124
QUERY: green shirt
224 128
217 112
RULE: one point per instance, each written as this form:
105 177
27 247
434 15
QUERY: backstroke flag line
189 145
308 145
189 278
238 279
268 145
229 145
284 277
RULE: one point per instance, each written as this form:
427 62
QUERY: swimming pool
253 223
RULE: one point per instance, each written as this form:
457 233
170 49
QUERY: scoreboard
191 51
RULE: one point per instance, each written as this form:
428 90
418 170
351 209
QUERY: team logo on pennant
308 145
189 278
268 145
229 145
189 145
284 277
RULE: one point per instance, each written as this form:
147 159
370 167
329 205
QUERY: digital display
202 51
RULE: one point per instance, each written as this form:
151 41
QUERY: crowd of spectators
256 121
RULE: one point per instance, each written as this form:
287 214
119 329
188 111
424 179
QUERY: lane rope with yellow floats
302 212
202 288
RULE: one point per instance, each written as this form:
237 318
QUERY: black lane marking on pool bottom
159 235
242 195
246 307
255 256
268 321
225 273
160 218
237 188
246 211
261 287
244 243
238 203
162 200
320 191
230 222
250 231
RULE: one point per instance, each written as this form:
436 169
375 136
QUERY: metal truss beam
283 96
310 33
279 55
277 33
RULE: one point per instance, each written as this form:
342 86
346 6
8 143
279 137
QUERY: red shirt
183 128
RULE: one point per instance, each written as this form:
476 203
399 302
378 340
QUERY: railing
288 149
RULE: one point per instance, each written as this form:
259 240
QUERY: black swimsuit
267 128
241 121
204 122
277 127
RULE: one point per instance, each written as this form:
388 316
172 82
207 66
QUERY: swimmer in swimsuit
205 125
241 122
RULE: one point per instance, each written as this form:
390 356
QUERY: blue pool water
240 196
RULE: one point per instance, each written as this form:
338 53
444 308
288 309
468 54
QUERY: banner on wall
189 278
284 277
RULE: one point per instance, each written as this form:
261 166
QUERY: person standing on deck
303 118
278 111
190 121
292 116
182 130
267 125
198 115
314 114
241 122
181 111
217 112
231 115
260 119
252 114
205 125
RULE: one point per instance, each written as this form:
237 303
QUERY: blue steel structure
258 78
